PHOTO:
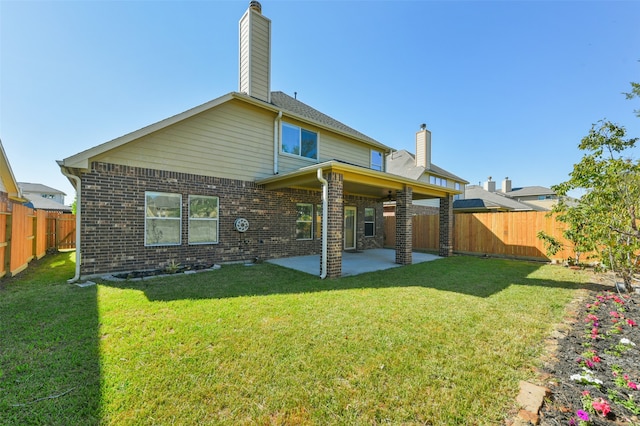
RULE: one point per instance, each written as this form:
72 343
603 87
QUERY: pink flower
582 415
602 406
614 314
632 385
589 363
596 358
631 322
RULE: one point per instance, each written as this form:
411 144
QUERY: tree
604 220
635 92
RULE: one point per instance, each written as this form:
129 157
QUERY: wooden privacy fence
25 235
508 234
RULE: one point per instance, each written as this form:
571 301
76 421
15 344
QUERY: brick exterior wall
446 226
404 231
113 220
335 223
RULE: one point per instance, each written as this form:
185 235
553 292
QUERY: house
487 198
253 174
43 197
419 167
9 190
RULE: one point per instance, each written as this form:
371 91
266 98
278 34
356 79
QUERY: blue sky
508 88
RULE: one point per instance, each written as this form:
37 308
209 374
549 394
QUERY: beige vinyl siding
233 140
2 187
331 146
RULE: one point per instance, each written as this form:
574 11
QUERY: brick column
335 224
404 229
446 226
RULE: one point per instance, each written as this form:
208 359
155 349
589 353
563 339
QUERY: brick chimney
423 147
255 53
490 185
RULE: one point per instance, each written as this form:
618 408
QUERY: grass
442 342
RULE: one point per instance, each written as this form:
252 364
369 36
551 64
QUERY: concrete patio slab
353 263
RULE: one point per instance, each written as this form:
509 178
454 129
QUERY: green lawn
441 342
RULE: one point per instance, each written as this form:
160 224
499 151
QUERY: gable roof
294 107
403 163
39 188
477 197
280 103
529 191
8 179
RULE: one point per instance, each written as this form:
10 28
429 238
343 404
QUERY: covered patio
353 263
336 179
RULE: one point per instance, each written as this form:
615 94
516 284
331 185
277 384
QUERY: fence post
7 253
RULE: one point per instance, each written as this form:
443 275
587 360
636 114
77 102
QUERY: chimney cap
255 5
423 126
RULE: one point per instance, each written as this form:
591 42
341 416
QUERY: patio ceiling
359 181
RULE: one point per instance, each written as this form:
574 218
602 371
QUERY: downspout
78 185
325 212
276 140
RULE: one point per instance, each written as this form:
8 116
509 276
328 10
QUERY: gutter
78 186
325 211
276 141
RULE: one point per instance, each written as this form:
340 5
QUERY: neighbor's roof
403 163
41 203
529 191
38 188
280 102
8 179
477 197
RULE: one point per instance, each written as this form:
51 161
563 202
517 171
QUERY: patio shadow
460 274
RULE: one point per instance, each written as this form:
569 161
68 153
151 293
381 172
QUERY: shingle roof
289 104
38 188
40 203
490 200
403 163
529 191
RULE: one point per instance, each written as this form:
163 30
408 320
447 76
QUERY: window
376 160
319 221
434 180
163 219
298 141
456 186
304 221
203 219
369 222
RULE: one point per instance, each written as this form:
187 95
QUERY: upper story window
299 141
376 160
434 180
457 187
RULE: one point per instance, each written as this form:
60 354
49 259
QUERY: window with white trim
376 160
163 219
369 222
299 141
457 187
203 219
437 181
304 221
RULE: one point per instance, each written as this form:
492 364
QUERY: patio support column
335 225
404 229
446 226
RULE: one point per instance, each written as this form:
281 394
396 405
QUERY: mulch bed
594 374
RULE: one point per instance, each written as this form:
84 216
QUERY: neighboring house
487 198
9 189
253 174
43 197
420 167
